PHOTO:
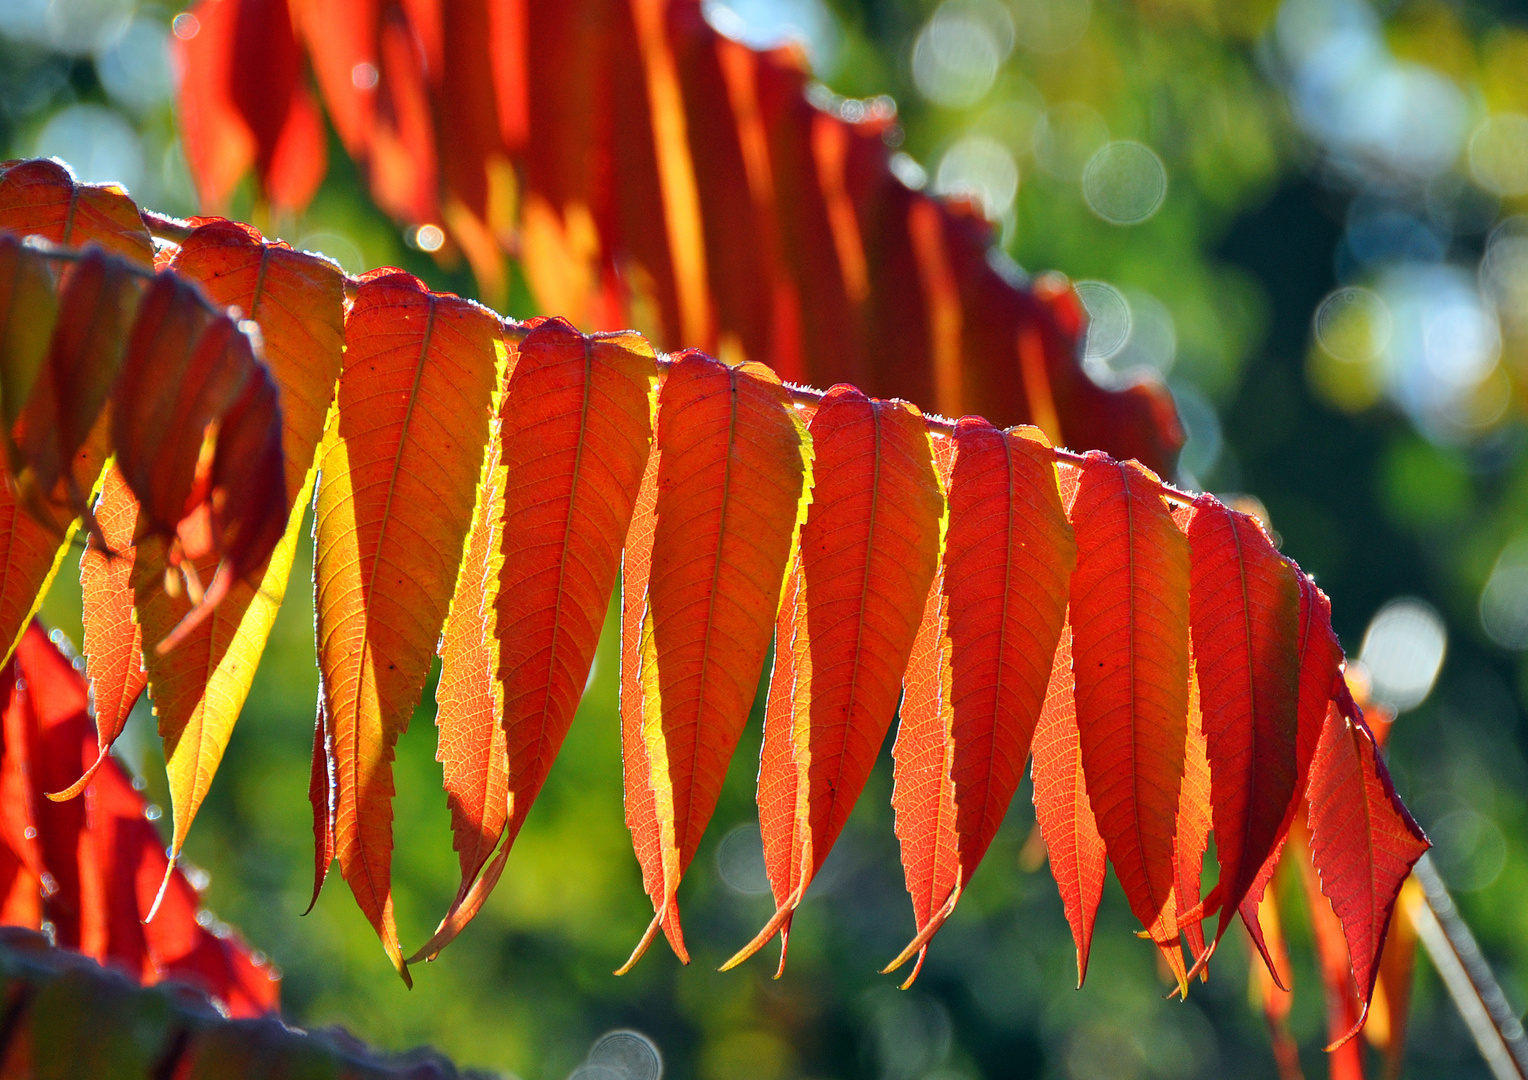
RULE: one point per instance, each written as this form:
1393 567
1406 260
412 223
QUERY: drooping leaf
1063 813
59 442
200 685
104 858
576 424
384 119
42 198
980 668
729 493
1363 841
197 431
644 166
1244 604
469 698
869 550
1320 658
1344 1013
245 103
1130 643
400 471
28 309
113 642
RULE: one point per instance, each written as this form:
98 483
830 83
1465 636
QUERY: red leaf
1062 810
1320 669
1363 841
727 495
1244 604
982 662
869 550
243 103
566 514
1130 654
400 475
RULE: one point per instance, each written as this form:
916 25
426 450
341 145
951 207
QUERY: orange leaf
728 493
1062 810
1244 604
113 643
1130 654
1343 1013
200 685
869 550
982 662
564 518
400 472
42 198
469 696
1363 841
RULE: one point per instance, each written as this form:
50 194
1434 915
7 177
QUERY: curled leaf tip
647 939
779 923
919 944
74 789
164 885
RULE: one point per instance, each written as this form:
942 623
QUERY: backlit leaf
1062 810
1130 655
1244 604
400 471
980 668
113 642
41 197
1320 658
869 550
1363 841
1194 820
729 491
576 425
201 684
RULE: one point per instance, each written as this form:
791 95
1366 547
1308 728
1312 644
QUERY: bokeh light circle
740 861
956 55
981 168
629 1055
1498 154
1353 324
1403 650
1124 182
1108 319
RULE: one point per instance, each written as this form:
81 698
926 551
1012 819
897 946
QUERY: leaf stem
176 231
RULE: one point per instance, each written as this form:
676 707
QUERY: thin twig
1476 993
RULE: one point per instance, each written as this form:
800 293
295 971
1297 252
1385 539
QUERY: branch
176 231
1475 991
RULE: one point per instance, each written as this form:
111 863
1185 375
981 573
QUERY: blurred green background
1307 215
